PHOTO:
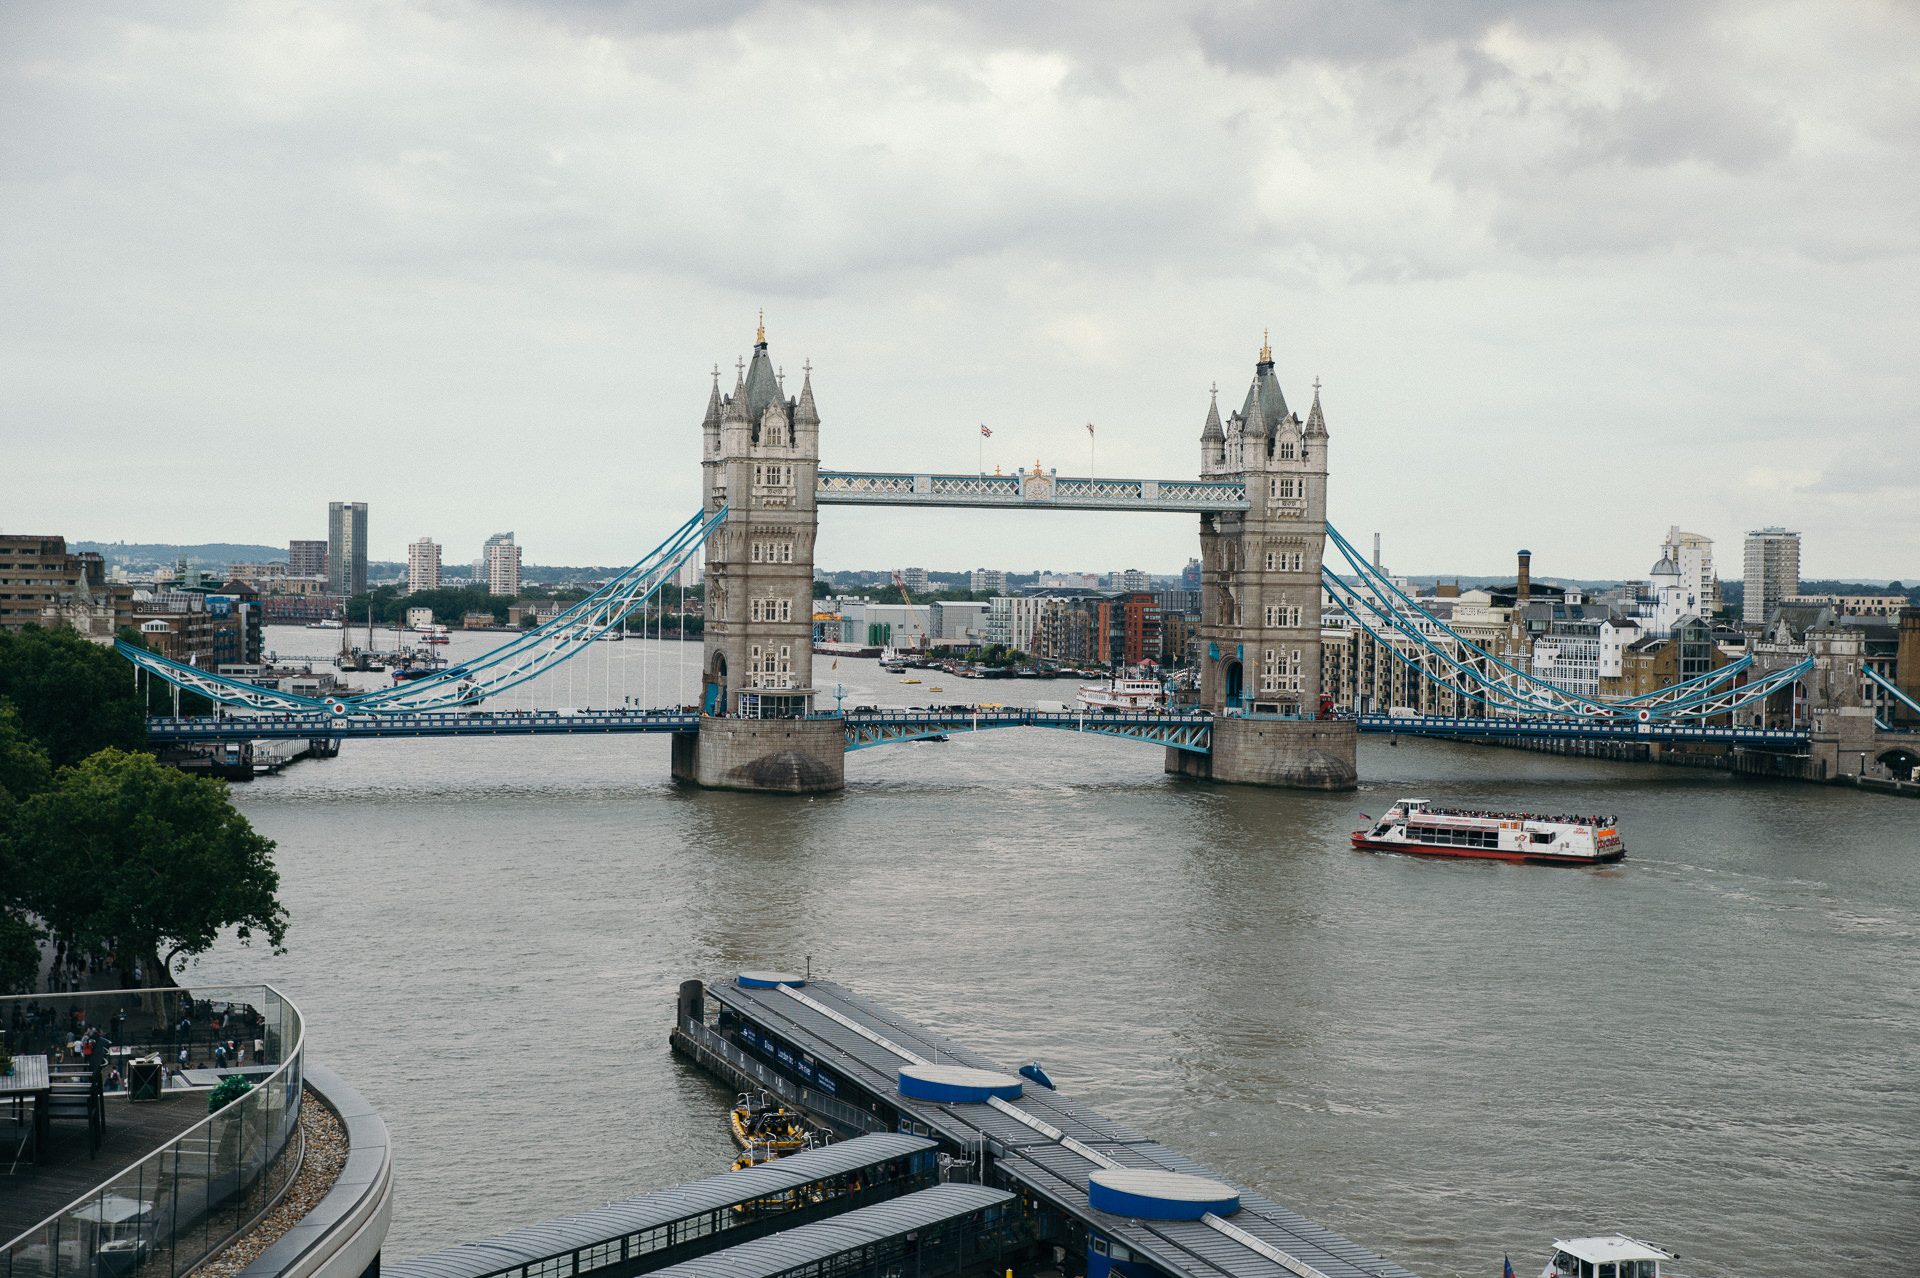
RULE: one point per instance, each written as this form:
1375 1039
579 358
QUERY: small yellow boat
936 688
765 1131
909 681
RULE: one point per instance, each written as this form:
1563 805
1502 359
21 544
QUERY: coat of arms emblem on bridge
1035 486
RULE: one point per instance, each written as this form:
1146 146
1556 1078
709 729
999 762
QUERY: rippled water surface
1713 1044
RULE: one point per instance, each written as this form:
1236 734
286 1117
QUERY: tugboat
1417 826
1608 1256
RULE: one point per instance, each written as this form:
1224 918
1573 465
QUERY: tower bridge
1260 500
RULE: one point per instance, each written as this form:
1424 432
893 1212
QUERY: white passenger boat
1418 826
1609 1256
1124 694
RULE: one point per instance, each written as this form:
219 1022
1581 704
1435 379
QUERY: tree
74 696
125 855
24 772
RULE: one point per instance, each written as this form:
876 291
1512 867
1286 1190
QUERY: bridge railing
173 1208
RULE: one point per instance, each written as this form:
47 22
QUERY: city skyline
1655 249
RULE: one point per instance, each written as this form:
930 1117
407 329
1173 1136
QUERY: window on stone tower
786 552
755 556
773 435
1286 450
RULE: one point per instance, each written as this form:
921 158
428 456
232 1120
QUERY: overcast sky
1569 273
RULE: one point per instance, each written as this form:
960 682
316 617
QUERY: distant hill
207 554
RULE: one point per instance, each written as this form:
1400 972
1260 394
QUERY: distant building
43 584
502 565
256 574
1693 555
347 547
1772 573
1190 576
916 581
954 622
477 621
1131 579
306 559
988 581
1850 605
423 565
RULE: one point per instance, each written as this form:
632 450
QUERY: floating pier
1089 1194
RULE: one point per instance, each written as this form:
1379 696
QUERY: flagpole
1090 443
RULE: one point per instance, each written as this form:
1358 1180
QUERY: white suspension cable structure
520 661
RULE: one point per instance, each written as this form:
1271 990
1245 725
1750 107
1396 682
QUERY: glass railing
173 1208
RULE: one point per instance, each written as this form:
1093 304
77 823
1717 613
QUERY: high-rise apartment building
988 581
503 565
1190 575
306 559
916 581
1132 579
347 547
1772 572
423 565
1693 555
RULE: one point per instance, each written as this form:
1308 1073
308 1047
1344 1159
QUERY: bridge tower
760 455
1260 598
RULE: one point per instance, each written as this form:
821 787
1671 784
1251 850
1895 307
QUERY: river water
1712 1044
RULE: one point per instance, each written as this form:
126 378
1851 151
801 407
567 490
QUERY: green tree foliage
125 854
74 696
230 1090
24 772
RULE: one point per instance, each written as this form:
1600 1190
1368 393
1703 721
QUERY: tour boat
1417 826
1608 1256
328 623
1124 694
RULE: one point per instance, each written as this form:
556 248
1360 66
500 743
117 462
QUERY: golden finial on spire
761 336
1266 350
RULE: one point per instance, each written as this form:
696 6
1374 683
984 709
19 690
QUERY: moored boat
1420 827
1608 1256
764 1130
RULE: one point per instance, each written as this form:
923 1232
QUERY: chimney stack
1376 552
1525 590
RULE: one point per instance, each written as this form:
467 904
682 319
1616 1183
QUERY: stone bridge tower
760 456
1260 597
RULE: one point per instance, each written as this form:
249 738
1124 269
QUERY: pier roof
1050 1166
533 1243
778 1253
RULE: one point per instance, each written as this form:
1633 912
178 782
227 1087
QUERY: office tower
306 559
503 565
347 547
1772 572
423 565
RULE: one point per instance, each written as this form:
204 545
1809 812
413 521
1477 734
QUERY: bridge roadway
865 728
1190 731
1581 730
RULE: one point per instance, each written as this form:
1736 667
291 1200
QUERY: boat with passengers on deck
1609 1256
1425 829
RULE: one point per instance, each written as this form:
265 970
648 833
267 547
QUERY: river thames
1711 1045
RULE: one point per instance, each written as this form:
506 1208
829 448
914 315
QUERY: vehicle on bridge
1417 826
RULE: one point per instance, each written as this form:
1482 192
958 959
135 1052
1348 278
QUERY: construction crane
912 610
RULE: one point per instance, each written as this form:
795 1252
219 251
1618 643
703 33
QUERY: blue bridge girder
864 728
1028 490
1574 730
477 723
869 728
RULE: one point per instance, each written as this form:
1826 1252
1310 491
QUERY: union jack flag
986 432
